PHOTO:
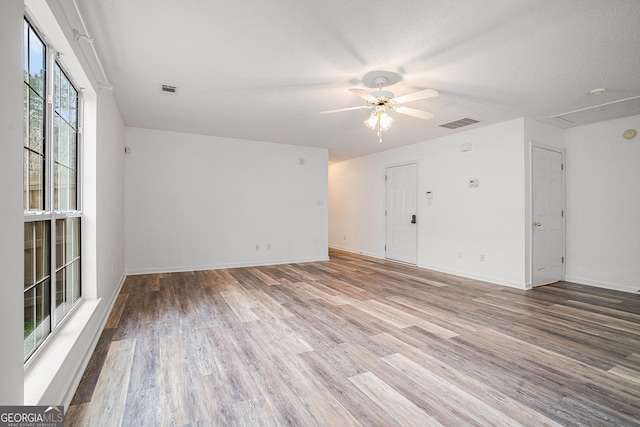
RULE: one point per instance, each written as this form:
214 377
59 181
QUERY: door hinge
385 177
385 248
385 212
562 212
563 260
561 166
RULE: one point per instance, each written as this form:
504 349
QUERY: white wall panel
199 202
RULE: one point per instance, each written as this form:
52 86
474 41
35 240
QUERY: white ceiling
263 70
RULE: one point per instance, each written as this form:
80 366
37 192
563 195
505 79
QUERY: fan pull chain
379 130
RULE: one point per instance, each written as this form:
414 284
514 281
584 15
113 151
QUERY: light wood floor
360 341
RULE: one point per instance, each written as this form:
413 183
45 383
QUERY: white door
401 220
548 224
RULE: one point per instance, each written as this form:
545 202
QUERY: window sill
53 371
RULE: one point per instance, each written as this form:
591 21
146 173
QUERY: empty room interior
321 213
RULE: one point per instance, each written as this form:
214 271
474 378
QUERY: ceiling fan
383 101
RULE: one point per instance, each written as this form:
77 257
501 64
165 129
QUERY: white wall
543 134
486 220
11 214
110 200
200 202
603 202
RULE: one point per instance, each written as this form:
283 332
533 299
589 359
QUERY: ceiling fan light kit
379 117
382 102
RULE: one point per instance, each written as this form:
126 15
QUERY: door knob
413 219
537 224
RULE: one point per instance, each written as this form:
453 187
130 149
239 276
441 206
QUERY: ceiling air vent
169 88
459 123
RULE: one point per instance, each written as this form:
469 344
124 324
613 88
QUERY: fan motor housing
382 96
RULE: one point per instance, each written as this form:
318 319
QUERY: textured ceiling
264 70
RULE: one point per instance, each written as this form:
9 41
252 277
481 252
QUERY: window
52 211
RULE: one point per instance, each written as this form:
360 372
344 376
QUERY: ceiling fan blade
364 95
423 94
425 115
362 107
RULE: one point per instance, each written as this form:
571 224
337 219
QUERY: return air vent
459 123
169 89
609 110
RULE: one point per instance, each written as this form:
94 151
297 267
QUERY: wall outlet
257 247
481 257
459 255
268 246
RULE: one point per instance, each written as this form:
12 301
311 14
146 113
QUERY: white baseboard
488 279
605 285
365 253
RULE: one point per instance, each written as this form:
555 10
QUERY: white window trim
49 214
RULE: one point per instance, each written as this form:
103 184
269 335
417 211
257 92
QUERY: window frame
49 213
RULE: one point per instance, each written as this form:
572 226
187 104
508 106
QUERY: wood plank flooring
360 341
